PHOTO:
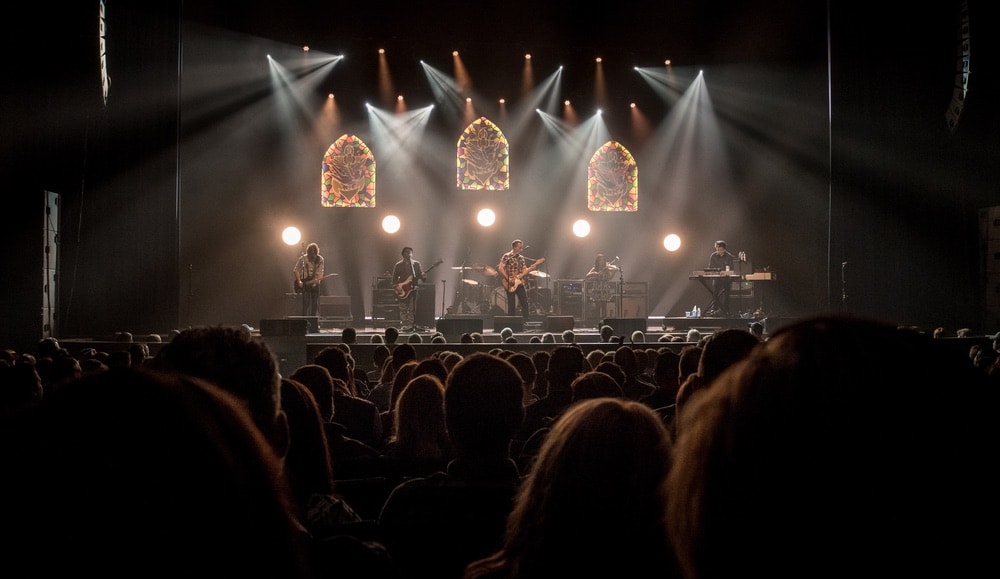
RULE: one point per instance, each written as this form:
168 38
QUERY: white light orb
486 217
390 224
291 235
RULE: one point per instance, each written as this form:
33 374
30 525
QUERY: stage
294 346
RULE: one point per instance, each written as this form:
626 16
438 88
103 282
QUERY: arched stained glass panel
483 157
348 174
612 179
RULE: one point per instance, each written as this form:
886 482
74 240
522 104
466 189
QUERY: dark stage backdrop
170 216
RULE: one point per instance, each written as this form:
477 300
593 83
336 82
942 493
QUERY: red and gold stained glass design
483 157
348 174
612 179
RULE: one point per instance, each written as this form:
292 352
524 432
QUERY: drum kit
488 296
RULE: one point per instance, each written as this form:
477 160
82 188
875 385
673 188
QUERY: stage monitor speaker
558 323
453 328
625 326
515 323
284 326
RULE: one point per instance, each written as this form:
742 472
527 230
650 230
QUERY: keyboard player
720 260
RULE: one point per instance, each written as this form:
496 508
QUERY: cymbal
462 267
471 281
490 271
539 274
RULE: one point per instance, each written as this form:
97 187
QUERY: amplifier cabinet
569 297
335 307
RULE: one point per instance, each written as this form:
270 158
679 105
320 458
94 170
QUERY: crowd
835 447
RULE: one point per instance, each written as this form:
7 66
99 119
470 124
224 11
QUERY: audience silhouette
578 514
132 473
821 455
811 453
434 526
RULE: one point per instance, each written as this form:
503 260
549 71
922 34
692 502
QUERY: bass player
406 278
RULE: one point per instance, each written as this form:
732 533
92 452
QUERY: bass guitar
298 288
406 286
513 282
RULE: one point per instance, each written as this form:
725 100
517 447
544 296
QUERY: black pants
721 291
310 304
521 295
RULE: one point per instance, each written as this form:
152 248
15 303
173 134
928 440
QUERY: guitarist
512 270
406 278
308 273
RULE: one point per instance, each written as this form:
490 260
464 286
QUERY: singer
720 260
512 269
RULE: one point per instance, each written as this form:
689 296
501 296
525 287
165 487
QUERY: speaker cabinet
515 323
569 297
625 326
558 323
285 326
424 314
453 328
632 306
335 307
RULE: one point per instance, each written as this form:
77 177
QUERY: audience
360 417
666 374
578 514
308 464
434 526
526 368
349 457
595 384
565 364
816 440
540 358
635 386
399 381
420 444
821 455
132 473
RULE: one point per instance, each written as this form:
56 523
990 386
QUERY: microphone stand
462 293
621 289
741 259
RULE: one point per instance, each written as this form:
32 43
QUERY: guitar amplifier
569 297
384 297
335 307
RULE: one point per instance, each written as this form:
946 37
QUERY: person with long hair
420 444
594 502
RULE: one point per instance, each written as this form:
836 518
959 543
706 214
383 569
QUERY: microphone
526 247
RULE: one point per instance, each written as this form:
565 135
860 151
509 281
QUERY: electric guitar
305 282
406 286
511 284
